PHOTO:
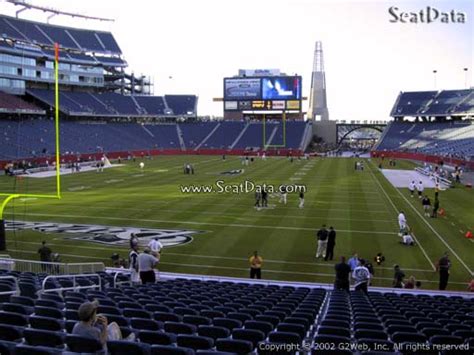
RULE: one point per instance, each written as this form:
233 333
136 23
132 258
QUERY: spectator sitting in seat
94 326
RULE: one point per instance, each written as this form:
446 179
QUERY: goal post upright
7 197
283 122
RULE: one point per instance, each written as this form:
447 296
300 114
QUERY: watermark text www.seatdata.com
247 186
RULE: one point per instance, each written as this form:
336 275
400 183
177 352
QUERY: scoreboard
270 93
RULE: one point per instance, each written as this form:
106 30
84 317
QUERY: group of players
425 200
261 197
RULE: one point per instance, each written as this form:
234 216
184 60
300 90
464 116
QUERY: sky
189 46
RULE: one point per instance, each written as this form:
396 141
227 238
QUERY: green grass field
362 206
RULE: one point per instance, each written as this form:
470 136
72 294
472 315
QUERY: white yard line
232 215
200 223
396 213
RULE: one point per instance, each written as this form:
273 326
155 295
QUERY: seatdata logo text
426 15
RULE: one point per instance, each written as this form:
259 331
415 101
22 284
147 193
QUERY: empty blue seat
253 335
10 333
167 317
195 342
211 313
80 344
156 337
16 308
339 331
136 313
144 324
49 303
214 332
197 320
120 320
71 314
13 319
268 319
180 328
429 332
48 312
25 301
157 308
227 323
123 347
292 328
38 337
264 327
284 337
46 323
446 339
234 346
170 350
403 337
24 349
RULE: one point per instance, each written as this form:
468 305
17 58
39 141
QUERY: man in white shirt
146 265
402 222
412 187
420 189
155 246
361 276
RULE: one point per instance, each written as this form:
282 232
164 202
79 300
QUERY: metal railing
16 291
53 268
118 272
73 278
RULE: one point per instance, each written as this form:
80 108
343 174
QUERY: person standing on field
331 244
256 262
301 205
322 236
443 266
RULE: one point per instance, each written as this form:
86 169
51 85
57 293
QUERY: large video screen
268 93
235 88
281 88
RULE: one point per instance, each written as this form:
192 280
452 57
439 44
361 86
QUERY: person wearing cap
146 265
90 325
95 326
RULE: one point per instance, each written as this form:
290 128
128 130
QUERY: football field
214 233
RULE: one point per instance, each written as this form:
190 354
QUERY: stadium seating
46 34
87 137
243 318
434 103
116 105
182 104
14 104
448 139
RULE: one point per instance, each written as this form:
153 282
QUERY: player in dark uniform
258 197
264 198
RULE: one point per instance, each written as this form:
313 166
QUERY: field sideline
362 206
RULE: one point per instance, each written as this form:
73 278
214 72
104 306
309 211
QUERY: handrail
121 272
60 268
74 287
17 286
